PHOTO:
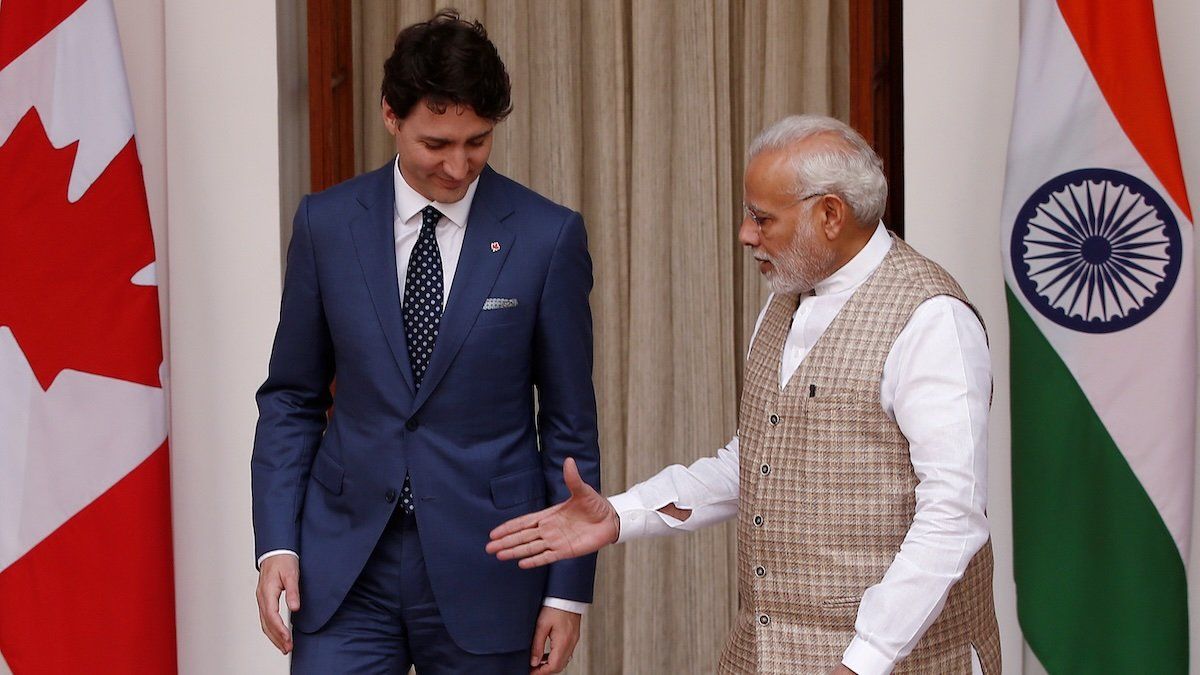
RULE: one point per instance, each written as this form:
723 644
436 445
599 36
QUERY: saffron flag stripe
1122 55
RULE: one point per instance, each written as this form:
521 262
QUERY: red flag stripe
1119 41
97 595
24 22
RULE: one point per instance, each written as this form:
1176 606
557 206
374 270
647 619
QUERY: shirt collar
409 202
861 266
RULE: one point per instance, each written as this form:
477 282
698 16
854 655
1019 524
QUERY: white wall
204 83
224 255
960 65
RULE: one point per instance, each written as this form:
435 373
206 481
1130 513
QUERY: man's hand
561 628
841 669
278 574
583 524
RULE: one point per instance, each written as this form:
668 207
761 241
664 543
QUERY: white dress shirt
449 232
937 387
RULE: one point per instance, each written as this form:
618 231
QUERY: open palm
583 524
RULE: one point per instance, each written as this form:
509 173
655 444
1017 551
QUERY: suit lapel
375 242
478 266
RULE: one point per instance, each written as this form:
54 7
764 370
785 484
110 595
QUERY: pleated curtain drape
637 114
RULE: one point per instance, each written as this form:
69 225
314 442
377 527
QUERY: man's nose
748 232
455 165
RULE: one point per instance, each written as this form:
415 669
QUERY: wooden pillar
877 91
330 92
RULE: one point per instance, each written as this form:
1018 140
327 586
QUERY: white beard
801 265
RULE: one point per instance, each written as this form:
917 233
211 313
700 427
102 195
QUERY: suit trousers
390 621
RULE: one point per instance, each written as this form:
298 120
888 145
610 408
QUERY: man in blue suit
442 296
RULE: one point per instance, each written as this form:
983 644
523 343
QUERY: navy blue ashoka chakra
1096 250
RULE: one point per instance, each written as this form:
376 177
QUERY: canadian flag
86 581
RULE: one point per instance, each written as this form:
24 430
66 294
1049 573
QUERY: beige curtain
637 114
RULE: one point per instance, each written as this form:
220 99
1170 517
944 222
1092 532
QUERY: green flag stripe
1101 587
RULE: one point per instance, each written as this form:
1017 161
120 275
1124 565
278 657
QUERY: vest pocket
842 601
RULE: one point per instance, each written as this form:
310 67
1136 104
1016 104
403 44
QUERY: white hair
849 169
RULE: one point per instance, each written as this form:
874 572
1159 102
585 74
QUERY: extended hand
583 524
561 628
278 574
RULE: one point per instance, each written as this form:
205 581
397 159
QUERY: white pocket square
499 303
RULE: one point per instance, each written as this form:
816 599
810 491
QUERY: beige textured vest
827 491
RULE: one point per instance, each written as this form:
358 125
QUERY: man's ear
390 121
832 209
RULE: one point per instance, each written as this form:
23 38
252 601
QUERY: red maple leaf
67 293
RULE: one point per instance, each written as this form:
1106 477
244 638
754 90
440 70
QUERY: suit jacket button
412 424
390 496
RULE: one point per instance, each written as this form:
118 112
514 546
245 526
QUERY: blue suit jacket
468 437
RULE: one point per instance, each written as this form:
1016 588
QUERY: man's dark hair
450 61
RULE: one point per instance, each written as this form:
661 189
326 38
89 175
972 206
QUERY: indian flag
1097 242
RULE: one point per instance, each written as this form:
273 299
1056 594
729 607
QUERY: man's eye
475 143
435 146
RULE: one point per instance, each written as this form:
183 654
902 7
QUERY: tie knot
430 217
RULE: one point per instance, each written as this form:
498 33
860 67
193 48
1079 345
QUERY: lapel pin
495 247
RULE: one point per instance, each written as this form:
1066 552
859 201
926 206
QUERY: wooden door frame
877 91
330 92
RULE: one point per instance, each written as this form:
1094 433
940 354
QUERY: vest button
412 424
390 496
774 419
758 521
760 571
763 619
765 469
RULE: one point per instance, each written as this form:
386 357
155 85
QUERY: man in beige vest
858 475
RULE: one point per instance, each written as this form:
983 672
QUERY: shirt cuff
639 522
631 517
566 605
864 659
278 551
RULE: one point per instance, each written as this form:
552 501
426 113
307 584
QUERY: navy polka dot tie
423 295
422 309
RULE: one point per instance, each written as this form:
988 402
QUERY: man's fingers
273 626
558 654
523 551
571 477
544 558
539 643
268 612
517 524
515 539
561 647
279 633
291 593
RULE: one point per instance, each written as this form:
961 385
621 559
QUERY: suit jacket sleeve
566 399
293 401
